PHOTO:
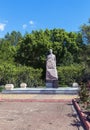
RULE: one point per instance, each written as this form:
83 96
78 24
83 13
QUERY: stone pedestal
49 84
52 83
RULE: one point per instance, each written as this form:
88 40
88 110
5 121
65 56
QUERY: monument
51 71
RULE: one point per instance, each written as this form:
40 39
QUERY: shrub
10 73
84 93
69 74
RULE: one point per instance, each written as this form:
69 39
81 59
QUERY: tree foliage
31 50
85 30
34 47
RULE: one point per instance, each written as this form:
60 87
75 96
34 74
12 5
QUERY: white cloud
2 26
24 26
31 22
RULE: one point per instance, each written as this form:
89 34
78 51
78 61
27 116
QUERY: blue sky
28 15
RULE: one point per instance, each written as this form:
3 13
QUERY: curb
81 115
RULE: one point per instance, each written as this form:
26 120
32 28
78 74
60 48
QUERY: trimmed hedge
69 74
10 73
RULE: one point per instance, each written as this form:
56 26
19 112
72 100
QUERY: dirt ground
37 116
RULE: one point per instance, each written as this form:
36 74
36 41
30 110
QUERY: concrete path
37 116
37 112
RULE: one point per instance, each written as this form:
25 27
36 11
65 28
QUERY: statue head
50 51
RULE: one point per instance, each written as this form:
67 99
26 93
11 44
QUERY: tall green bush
69 74
10 73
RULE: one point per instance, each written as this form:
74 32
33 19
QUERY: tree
14 37
85 51
34 47
7 52
32 50
85 30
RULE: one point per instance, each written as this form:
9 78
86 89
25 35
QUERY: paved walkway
39 97
36 116
37 112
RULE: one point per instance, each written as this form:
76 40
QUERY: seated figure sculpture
51 71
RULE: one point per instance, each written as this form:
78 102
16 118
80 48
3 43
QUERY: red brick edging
81 114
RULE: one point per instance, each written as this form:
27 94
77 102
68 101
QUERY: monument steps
60 90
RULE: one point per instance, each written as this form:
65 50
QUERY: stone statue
51 71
